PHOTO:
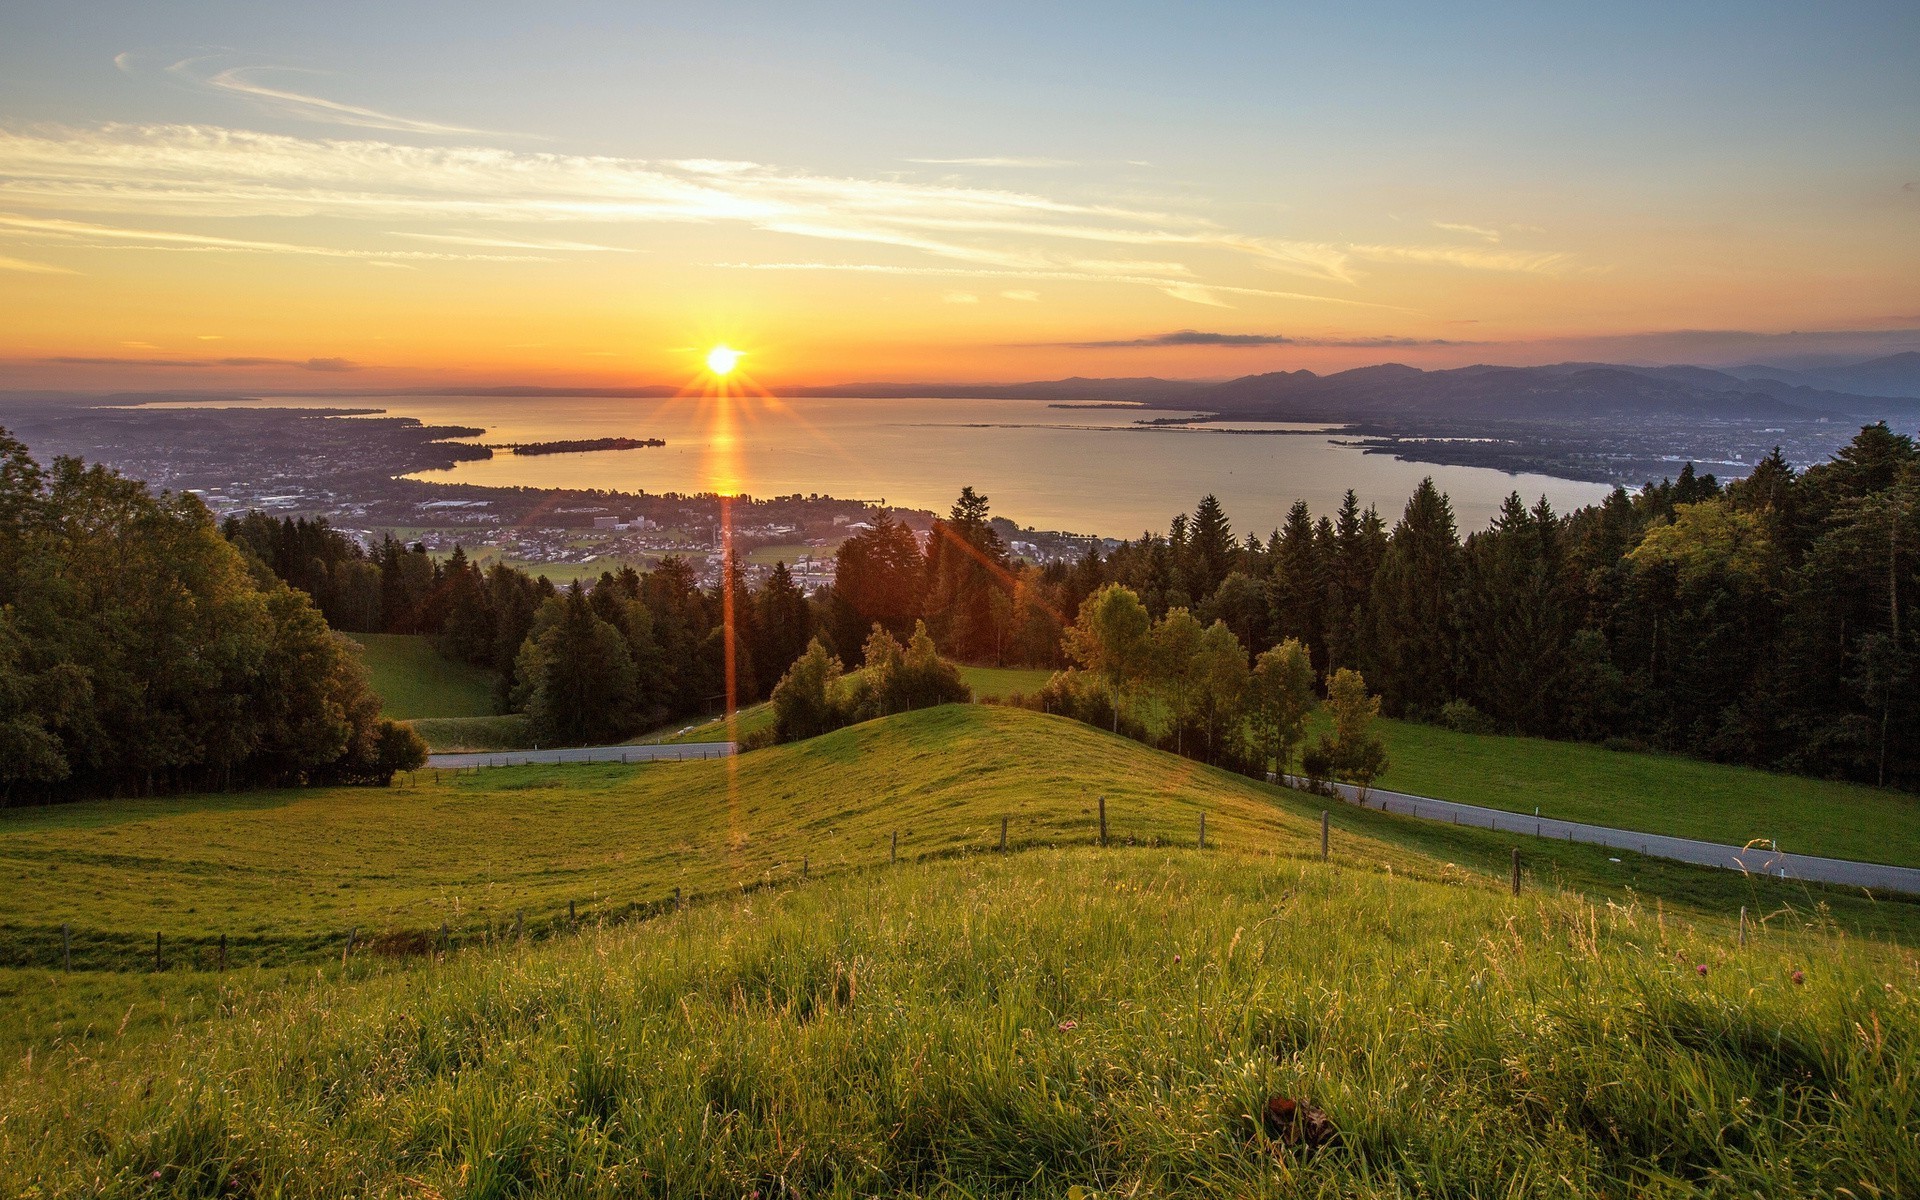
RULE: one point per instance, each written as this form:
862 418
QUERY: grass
286 875
415 680
1000 682
447 735
1060 1023
1654 793
750 719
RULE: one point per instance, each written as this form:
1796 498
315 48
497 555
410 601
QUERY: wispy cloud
133 179
1471 258
1197 337
1180 289
1490 235
305 364
87 235
995 161
245 83
1021 294
960 298
32 268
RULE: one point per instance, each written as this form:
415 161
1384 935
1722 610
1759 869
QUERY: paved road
584 754
1753 860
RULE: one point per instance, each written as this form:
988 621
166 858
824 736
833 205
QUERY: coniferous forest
1768 622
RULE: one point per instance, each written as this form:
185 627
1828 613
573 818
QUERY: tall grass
1109 1021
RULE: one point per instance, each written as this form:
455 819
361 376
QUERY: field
286 875
1656 793
1000 682
472 734
415 680
821 1018
1060 1022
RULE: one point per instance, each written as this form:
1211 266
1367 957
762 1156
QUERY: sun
722 359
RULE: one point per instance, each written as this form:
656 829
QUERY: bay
1047 465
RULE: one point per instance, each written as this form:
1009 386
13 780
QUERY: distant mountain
1894 375
1561 392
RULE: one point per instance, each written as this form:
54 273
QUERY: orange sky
889 205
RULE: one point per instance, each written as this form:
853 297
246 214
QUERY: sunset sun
722 359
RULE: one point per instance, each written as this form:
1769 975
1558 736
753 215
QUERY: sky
346 195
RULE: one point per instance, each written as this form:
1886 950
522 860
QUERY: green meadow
415 680
858 993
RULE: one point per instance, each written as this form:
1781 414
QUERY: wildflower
1702 968
1798 976
1068 1024
1176 960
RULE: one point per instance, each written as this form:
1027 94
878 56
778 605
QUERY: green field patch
1652 793
997 683
416 680
447 735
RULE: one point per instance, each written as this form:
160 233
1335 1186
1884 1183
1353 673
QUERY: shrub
1462 717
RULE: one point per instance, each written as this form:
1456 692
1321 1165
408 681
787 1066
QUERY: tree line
141 653
1768 622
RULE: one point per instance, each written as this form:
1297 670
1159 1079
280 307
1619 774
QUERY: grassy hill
415 680
286 875
1067 1023
960 1022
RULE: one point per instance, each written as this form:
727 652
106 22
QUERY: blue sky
1506 176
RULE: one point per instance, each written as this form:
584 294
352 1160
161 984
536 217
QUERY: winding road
1753 860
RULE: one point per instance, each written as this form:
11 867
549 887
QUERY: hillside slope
287 876
1056 1023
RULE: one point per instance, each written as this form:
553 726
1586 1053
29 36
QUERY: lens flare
722 359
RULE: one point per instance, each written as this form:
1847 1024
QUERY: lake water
1088 470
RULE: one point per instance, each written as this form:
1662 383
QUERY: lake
1075 468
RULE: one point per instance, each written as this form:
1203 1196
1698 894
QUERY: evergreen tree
1411 607
578 680
1211 548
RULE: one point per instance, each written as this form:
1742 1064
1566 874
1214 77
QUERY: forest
1767 622
142 653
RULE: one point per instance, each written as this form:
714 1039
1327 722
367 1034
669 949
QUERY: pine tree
1211 548
1411 646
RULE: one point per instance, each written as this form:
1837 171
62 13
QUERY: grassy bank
415 680
285 876
1112 1022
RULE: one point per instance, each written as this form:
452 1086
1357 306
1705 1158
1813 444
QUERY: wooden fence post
519 923
66 947
1323 835
676 899
893 848
1203 831
223 952
803 866
1003 835
1516 870
159 963
1743 926
1103 820
443 939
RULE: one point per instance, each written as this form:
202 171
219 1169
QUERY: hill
1067 1023
415 680
286 875
821 1017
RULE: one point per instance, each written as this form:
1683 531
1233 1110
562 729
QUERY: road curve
1752 860
583 754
